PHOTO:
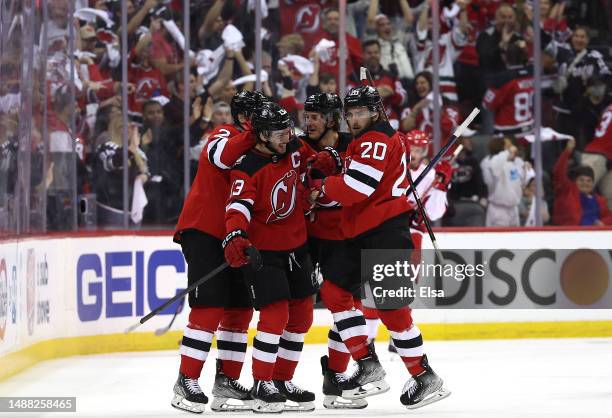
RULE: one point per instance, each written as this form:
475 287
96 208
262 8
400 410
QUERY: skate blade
291 406
220 404
369 389
181 403
434 397
338 402
261 407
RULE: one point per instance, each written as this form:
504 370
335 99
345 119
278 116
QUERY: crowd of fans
486 60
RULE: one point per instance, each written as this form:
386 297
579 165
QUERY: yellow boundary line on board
18 361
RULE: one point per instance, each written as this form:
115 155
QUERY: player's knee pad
273 317
336 298
300 315
396 319
205 318
236 319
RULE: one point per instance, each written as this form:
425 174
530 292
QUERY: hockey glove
326 163
444 175
235 246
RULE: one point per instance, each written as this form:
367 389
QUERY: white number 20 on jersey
376 150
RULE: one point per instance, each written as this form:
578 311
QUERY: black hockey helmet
245 102
270 117
324 103
363 96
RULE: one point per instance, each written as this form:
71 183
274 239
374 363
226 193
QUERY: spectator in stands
577 64
108 171
504 174
420 115
331 27
467 183
163 149
148 81
553 22
510 95
165 54
292 44
576 202
320 82
490 45
450 46
174 109
527 205
598 154
492 42
592 106
388 85
394 55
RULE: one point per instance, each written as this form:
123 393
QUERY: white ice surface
511 378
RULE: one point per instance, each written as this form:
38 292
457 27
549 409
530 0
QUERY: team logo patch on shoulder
283 197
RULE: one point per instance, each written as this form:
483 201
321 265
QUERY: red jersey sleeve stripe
215 149
244 206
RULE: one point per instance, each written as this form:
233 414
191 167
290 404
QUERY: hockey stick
456 135
365 74
179 307
256 262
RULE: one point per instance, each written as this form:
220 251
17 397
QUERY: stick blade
132 328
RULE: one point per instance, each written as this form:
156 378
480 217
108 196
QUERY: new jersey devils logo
283 197
307 19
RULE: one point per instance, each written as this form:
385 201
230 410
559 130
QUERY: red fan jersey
148 83
325 220
265 198
204 208
373 187
602 143
511 99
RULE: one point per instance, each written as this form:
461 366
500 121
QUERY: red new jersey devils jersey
325 220
265 198
204 208
512 102
373 187
602 142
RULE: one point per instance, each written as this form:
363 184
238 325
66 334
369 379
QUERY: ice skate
229 394
424 389
333 394
298 399
367 380
267 398
188 395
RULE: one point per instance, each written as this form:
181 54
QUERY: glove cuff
234 234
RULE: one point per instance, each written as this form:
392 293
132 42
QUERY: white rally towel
177 35
139 201
548 134
250 78
208 63
303 65
232 38
90 14
323 48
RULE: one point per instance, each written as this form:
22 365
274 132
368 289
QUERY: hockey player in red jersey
375 215
222 303
511 95
340 292
432 189
265 210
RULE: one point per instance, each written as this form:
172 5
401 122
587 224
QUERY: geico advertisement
122 278
501 278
